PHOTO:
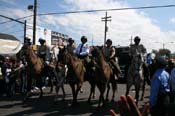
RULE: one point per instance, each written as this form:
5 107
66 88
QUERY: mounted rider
109 53
82 51
137 48
71 46
44 51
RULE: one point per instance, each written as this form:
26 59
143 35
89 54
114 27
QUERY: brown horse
34 69
103 75
75 74
59 70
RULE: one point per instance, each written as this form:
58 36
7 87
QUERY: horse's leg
91 91
137 88
56 90
72 85
51 83
143 89
28 87
114 89
101 88
128 85
107 93
40 83
64 95
62 87
79 86
103 92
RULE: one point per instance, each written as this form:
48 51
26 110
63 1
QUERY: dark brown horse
34 69
103 75
75 74
135 76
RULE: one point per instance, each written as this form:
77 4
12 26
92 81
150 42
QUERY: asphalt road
46 106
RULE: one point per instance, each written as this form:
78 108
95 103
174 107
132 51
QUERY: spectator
160 88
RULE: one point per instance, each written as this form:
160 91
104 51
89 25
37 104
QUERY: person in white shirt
82 51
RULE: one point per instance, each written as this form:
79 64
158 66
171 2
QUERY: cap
161 61
84 38
109 41
70 40
137 38
41 40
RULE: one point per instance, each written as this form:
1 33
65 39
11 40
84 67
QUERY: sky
155 27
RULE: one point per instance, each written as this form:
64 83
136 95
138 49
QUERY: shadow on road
46 106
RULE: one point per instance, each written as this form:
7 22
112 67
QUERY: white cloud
172 20
12 2
124 24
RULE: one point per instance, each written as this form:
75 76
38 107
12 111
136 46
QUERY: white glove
47 62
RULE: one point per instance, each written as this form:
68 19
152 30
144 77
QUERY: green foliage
164 52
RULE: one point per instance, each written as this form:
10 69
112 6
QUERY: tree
164 52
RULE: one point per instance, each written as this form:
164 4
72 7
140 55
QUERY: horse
103 75
34 69
60 71
135 76
75 74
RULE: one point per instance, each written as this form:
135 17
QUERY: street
46 106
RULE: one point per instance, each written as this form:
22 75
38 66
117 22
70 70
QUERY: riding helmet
84 39
109 41
137 38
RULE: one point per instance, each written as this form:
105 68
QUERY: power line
131 8
16 19
84 11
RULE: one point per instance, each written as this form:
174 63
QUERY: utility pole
34 21
131 40
106 19
92 39
25 23
163 46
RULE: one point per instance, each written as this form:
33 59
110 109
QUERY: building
9 45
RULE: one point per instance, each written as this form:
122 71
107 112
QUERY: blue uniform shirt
84 51
159 85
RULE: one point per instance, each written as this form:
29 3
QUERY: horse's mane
97 51
32 53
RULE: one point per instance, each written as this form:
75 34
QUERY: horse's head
96 52
64 56
23 53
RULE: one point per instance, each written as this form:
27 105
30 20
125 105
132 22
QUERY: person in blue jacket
160 88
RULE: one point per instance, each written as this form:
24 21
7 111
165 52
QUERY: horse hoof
74 104
98 108
112 100
81 90
107 99
89 101
40 96
104 105
50 92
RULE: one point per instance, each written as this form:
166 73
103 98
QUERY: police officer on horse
44 51
137 48
82 50
109 53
